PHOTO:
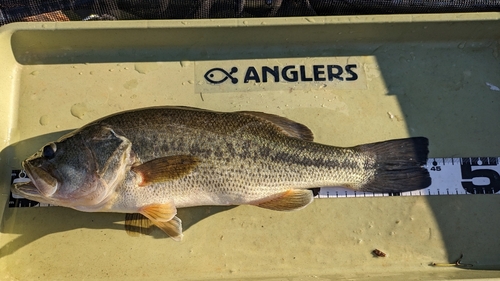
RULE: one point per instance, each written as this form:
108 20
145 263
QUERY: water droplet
185 63
78 110
245 22
44 120
130 84
80 73
462 45
144 68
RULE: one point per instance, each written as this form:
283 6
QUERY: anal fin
293 199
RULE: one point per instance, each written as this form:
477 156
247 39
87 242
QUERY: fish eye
49 151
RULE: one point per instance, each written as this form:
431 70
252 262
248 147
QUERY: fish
152 161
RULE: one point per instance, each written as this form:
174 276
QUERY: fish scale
277 151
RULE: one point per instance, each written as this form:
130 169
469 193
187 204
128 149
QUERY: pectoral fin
293 199
165 169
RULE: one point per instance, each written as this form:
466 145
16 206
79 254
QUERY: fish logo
218 75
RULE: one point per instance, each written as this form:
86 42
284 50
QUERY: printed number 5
469 174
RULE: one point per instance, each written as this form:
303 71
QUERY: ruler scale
450 176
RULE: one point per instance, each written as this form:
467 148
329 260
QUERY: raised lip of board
75 37
249 22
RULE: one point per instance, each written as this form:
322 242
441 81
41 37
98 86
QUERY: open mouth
42 184
25 189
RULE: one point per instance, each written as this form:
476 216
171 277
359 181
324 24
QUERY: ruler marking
465 175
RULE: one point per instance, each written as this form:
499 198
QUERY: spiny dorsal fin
293 199
286 126
165 169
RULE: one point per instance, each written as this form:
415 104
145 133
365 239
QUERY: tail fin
398 166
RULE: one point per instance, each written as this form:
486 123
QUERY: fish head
80 170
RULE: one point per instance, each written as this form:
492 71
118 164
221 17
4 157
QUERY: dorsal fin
286 126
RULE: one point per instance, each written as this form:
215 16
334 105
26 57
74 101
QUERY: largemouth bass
155 160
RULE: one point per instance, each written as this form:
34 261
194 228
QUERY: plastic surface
430 75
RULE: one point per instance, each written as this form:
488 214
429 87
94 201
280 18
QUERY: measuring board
450 176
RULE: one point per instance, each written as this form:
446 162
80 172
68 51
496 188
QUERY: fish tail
398 166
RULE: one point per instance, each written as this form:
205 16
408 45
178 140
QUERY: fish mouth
26 190
41 184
